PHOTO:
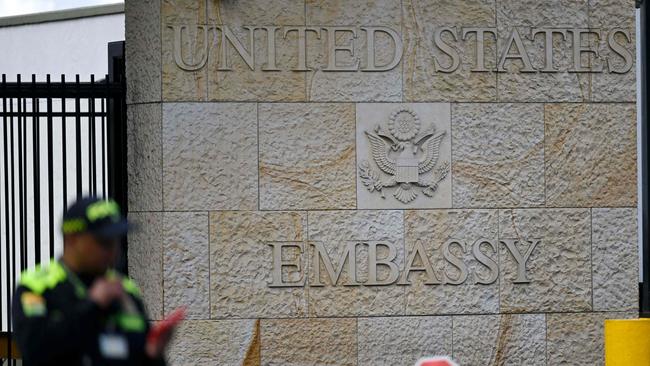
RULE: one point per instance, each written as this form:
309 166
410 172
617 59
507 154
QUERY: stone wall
433 166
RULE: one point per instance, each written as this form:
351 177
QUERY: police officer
79 311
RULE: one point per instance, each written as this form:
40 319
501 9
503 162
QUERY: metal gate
59 140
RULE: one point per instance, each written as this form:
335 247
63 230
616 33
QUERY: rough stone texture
559 268
612 13
538 14
306 156
498 156
241 264
577 339
422 81
353 85
614 86
210 156
144 156
433 229
143 65
615 259
590 155
179 84
335 229
216 342
369 116
514 85
399 341
145 256
509 339
186 263
242 83
309 342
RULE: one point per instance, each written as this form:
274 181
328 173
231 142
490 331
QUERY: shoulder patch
40 278
33 304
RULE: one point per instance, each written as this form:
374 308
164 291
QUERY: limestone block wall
474 195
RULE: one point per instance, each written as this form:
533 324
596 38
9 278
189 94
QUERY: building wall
70 47
248 178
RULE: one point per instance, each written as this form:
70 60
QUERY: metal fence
59 140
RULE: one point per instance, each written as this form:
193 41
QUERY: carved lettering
515 39
333 48
279 263
579 50
548 46
344 46
521 260
426 267
618 48
453 252
370 41
349 255
374 262
446 49
488 262
178 49
227 36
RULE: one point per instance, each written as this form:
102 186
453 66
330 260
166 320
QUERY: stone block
431 230
241 82
357 85
419 138
590 155
577 339
398 341
144 157
309 342
306 156
335 230
617 81
424 79
523 17
615 259
143 51
558 268
179 84
186 263
241 264
498 157
215 342
509 339
145 256
210 156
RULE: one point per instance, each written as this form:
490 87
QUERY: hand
160 334
103 292
155 347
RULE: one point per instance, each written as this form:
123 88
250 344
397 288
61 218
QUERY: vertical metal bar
103 127
37 176
6 192
19 127
13 195
64 145
50 171
26 238
91 141
77 112
644 287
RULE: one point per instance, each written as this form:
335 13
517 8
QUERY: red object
436 361
166 325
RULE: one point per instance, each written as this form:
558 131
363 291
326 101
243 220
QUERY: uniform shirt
56 324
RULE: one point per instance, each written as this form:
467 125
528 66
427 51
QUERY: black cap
96 216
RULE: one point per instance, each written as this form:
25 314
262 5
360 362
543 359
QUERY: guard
79 311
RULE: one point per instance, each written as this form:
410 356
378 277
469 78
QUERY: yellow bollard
627 342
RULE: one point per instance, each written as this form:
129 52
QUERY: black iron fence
59 140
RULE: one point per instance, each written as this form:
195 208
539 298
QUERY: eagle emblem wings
406 156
